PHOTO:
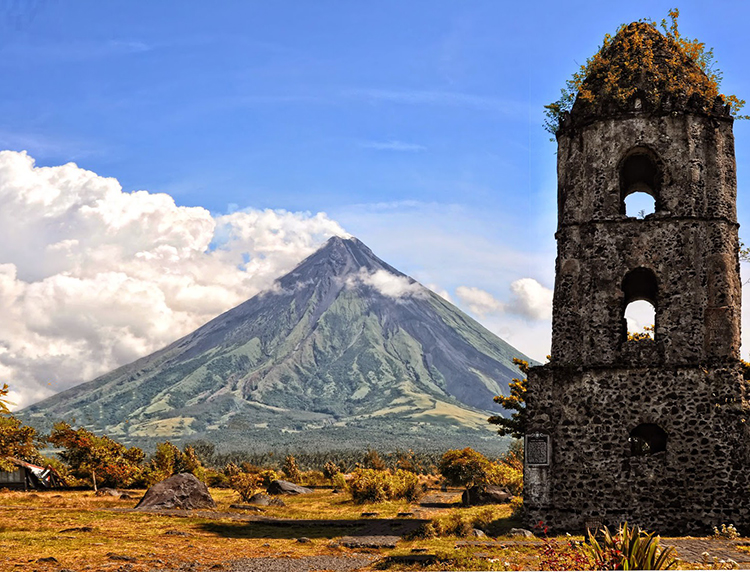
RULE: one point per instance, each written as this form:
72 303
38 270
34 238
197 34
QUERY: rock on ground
280 487
262 499
181 491
488 494
521 532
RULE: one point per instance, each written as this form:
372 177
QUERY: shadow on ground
285 528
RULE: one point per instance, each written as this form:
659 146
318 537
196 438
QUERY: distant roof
641 69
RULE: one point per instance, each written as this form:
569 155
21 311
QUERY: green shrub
339 482
630 549
506 476
370 485
267 476
467 468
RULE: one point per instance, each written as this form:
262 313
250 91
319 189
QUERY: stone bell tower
650 431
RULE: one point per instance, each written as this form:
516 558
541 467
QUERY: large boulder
181 491
487 494
280 487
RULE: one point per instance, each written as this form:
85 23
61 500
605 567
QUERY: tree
516 401
465 467
16 439
168 460
102 459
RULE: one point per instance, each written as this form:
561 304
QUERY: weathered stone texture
599 387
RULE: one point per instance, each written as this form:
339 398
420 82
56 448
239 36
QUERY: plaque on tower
537 450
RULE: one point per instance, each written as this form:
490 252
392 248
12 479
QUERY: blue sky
416 126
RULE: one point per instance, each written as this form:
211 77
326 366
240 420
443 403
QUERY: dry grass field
77 531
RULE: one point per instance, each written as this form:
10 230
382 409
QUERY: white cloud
479 301
388 284
92 278
530 299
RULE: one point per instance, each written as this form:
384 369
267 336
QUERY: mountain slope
343 344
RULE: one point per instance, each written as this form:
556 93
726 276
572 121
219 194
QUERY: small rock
107 493
246 507
126 496
78 529
280 487
121 557
521 532
265 545
478 533
263 499
176 533
50 559
303 540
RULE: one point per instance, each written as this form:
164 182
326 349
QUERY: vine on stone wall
617 71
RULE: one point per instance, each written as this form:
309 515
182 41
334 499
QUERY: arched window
647 439
640 183
639 205
640 293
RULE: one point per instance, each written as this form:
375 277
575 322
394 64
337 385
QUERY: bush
339 482
726 531
370 485
291 470
372 460
516 507
506 476
630 549
330 469
267 476
245 484
467 468
313 479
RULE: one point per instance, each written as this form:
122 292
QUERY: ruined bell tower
652 431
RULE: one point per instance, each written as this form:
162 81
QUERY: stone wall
700 481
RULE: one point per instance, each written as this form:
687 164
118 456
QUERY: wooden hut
27 476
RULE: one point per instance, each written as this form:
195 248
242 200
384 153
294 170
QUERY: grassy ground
83 532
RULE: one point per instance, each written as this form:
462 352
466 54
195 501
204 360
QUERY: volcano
343 351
